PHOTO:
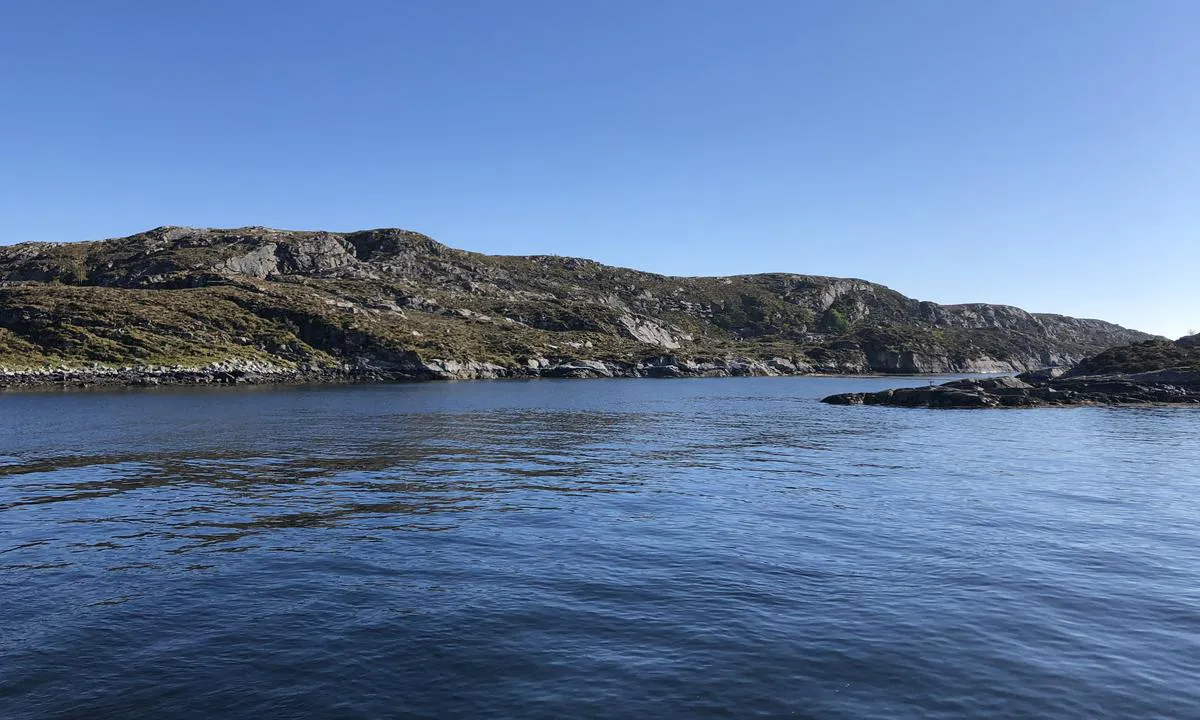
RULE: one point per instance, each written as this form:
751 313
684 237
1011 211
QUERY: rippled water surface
616 549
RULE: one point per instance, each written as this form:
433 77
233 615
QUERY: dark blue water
608 549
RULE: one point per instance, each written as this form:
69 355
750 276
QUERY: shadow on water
208 484
366 476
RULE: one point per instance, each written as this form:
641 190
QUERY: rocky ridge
187 305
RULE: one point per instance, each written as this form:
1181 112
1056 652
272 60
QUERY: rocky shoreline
1124 375
1155 372
1041 389
250 372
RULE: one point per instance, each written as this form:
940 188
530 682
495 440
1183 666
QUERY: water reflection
603 549
361 475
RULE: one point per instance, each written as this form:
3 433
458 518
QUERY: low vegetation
188 297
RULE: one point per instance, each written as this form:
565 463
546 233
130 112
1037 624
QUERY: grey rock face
310 255
260 262
578 369
652 333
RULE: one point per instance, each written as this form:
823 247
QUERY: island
1146 373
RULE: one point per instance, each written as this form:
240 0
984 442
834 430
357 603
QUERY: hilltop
179 304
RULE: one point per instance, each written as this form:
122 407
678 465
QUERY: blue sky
1040 154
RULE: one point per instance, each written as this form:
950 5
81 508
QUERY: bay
624 548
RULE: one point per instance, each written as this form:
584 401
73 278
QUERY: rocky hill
1152 355
184 304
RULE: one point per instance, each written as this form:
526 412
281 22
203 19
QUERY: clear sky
1044 154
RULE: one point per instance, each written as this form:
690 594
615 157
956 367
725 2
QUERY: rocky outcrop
651 333
1146 373
1139 389
307 256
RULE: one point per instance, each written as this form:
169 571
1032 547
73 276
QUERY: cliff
198 305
